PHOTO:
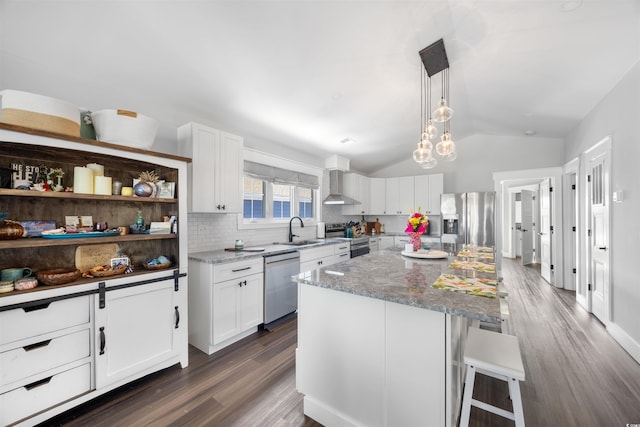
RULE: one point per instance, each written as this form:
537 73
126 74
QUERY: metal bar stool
497 355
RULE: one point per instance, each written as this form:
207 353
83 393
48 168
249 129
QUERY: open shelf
41 242
75 196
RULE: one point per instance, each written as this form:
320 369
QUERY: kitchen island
379 346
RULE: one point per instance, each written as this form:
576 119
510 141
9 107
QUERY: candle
117 188
127 191
82 180
102 185
98 170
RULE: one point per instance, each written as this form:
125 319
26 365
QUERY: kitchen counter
390 276
221 256
378 346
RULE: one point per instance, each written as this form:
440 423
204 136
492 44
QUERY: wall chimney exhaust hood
336 197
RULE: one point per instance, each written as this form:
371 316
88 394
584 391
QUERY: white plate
430 254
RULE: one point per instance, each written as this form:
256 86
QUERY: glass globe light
445 146
421 153
431 130
431 162
443 112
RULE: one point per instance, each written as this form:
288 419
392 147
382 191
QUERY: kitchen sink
300 242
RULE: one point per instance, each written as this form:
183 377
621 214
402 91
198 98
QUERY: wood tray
106 273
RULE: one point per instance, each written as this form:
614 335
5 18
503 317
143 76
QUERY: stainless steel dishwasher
280 292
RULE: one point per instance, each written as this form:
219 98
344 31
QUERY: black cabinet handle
36 307
103 340
245 283
38 383
177 317
240 283
36 345
319 262
240 269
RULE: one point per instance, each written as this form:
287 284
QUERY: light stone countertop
221 256
390 276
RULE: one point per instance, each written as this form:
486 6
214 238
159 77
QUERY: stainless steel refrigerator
469 218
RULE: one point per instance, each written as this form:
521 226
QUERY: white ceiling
309 74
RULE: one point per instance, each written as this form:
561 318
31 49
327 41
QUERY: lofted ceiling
310 74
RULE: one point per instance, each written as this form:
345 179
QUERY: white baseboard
625 340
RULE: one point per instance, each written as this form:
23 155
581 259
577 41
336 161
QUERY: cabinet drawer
24 401
234 270
315 253
23 362
342 248
24 323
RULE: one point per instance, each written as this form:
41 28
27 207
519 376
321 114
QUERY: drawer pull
235 270
36 307
177 317
36 345
344 254
38 383
342 247
103 340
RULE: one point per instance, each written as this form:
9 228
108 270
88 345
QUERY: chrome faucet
291 235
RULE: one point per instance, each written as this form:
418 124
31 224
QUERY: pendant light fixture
443 113
422 154
434 58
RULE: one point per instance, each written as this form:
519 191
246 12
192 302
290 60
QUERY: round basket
58 276
100 271
156 266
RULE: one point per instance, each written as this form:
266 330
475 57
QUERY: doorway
504 182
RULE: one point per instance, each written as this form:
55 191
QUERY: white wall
617 115
479 156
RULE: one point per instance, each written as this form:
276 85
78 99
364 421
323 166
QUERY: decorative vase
414 239
143 189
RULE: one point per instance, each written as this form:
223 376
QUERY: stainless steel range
359 245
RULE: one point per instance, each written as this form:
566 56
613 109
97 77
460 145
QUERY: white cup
408 247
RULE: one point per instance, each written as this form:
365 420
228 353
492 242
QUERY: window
273 195
253 198
305 202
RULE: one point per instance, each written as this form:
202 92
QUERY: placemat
466 285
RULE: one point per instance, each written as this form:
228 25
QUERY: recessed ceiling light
529 132
346 141
570 5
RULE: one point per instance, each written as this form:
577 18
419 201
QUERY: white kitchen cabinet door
378 198
399 195
356 186
427 192
386 242
436 188
215 173
136 329
238 305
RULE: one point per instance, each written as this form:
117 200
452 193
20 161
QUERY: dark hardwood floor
576 375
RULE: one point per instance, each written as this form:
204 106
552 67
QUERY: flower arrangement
416 226
417 223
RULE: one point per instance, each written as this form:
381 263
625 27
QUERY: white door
599 229
545 230
527 226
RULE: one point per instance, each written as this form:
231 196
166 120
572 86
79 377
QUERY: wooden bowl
103 271
156 266
58 276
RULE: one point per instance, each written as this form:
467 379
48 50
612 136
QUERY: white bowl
125 128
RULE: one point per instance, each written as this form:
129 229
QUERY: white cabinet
428 189
215 173
237 306
226 302
377 196
357 187
136 328
399 195
45 355
322 256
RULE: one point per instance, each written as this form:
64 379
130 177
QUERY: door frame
586 300
571 218
502 182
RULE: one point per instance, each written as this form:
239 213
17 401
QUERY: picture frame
166 190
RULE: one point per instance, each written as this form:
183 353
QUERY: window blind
280 176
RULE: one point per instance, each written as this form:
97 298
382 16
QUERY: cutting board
89 256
